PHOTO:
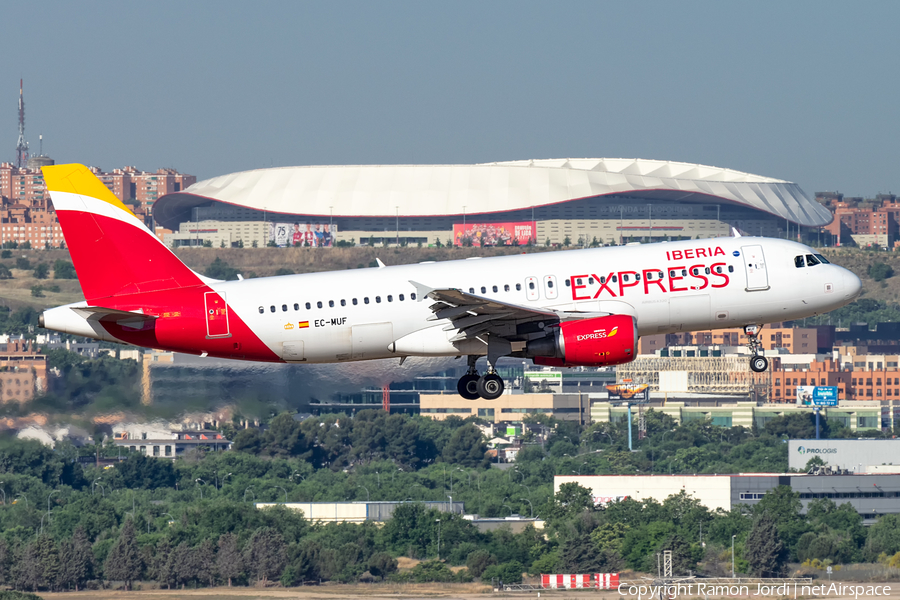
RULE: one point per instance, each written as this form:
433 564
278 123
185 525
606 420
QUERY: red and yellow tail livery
136 290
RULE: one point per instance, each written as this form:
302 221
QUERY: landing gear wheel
490 387
467 386
759 364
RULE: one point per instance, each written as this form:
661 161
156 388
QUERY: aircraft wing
475 315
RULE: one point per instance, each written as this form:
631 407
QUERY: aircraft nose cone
852 285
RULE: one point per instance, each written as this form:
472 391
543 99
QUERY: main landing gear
758 362
473 386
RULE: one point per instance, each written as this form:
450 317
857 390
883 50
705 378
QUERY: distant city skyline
801 91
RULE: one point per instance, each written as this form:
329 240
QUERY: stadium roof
442 190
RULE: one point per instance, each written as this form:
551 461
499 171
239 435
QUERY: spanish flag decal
303 324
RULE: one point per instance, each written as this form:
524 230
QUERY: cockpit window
811 260
822 259
798 262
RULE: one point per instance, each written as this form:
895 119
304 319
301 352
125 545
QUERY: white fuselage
707 284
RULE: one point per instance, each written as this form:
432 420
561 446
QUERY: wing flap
475 315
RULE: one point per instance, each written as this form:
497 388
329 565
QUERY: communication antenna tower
21 144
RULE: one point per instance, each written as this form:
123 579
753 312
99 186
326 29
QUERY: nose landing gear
758 362
471 386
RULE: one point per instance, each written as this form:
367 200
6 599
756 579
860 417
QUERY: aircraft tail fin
113 251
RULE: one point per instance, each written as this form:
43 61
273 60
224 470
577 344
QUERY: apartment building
795 340
27 215
23 372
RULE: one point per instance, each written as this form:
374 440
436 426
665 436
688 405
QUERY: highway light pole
732 556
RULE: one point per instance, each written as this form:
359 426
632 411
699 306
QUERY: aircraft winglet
735 232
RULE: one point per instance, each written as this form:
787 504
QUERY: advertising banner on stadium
314 235
494 234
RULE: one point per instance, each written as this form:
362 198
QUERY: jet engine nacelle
595 342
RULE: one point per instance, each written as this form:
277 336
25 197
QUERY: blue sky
805 91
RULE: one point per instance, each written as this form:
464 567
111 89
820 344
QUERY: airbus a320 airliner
575 308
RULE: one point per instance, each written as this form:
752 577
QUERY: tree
796 426
4 562
508 572
41 270
140 471
66 578
163 567
478 561
5 273
382 564
184 564
307 565
27 572
284 437
205 560
80 566
683 560
883 537
219 269
229 561
48 555
880 271
124 561
783 506
764 550
466 447
63 269
578 554
248 440
265 554
23 264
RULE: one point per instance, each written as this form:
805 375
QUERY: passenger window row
496 289
331 304
650 275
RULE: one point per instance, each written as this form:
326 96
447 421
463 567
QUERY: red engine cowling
596 342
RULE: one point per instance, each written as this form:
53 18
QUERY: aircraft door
216 315
755 266
531 288
550 291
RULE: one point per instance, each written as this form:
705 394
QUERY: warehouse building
872 495
856 456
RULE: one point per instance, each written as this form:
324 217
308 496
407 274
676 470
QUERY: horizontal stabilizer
123 318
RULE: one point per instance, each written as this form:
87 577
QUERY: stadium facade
584 201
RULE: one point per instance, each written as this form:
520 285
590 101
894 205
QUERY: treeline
340 441
193 522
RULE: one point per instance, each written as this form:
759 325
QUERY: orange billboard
494 234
